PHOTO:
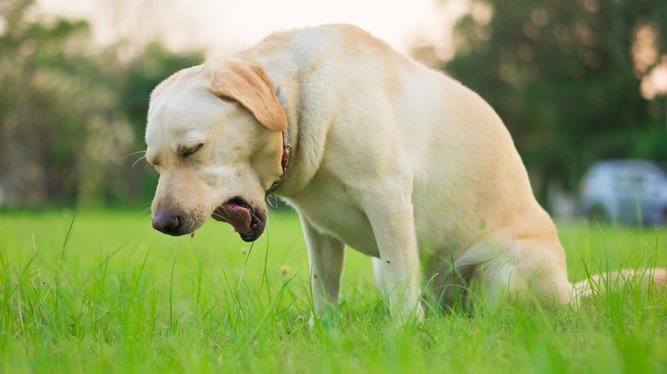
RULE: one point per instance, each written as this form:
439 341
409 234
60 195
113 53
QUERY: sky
226 26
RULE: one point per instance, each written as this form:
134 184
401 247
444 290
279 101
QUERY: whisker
137 161
132 154
147 207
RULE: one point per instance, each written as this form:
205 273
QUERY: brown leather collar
284 163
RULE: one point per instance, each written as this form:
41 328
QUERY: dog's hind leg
528 271
507 269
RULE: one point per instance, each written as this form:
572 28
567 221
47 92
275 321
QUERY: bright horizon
229 26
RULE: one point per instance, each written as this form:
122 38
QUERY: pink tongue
238 216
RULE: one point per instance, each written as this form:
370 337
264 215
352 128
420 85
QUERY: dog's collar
284 163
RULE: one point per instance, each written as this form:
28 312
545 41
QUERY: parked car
625 191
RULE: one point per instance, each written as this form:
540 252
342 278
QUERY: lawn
103 292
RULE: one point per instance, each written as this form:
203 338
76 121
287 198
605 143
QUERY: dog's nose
168 223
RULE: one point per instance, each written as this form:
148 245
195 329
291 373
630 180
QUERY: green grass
103 292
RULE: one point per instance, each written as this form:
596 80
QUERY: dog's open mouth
248 222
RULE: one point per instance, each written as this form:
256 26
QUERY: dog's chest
333 210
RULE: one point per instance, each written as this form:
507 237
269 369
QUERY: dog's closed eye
188 151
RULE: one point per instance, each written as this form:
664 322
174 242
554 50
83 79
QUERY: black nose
168 223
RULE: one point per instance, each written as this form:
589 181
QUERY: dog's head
214 134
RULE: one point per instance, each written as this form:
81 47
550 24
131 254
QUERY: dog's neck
287 79
284 163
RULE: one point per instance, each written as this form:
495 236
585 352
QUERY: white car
625 191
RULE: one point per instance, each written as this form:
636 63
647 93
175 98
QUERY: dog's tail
648 278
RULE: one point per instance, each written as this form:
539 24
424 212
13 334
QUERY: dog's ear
248 84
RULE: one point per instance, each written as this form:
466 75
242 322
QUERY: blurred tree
135 80
565 76
71 112
54 116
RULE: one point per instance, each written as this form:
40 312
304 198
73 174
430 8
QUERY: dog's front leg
391 216
326 255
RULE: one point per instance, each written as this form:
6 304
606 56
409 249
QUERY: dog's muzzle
170 222
246 220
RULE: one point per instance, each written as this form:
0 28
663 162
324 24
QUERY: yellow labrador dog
374 151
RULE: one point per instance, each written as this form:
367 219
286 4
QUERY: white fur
390 158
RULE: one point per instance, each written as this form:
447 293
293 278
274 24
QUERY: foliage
103 292
134 80
71 112
565 77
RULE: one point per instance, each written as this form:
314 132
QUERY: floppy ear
249 85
